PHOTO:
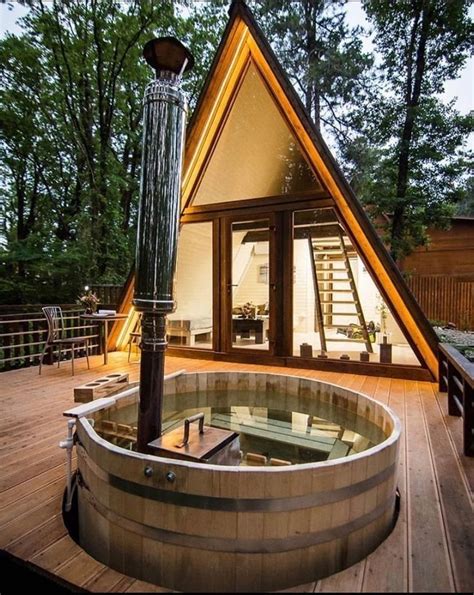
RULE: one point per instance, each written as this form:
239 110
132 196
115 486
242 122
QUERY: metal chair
135 335
56 331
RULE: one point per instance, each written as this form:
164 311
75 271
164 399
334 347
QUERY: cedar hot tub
315 490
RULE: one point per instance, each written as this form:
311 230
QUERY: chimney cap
167 53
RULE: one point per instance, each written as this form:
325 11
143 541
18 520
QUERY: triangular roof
242 41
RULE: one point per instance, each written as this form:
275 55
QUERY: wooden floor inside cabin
430 550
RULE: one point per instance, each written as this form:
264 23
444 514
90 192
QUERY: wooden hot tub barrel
196 527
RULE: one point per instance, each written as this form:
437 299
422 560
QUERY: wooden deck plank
387 567
25 523
31 486
16 476
430 567
143 587
441 539
23 505
347 581
40 538
454 489
80 569
57 554
108 580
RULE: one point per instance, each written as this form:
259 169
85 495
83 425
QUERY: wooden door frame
225 282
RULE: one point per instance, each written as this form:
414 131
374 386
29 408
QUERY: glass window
256 154
191 323
250 287
338 312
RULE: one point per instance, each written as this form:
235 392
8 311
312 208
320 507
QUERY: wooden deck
430 550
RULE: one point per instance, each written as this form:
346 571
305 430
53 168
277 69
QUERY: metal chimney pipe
164 120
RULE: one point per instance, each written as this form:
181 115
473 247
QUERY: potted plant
385 345
89 300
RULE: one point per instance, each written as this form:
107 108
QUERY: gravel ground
449 335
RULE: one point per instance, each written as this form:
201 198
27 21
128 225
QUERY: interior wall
303 296
256 150
193 281
250 289
303 292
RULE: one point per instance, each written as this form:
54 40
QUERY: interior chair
135 335
56 336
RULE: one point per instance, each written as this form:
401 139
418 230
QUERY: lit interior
256 150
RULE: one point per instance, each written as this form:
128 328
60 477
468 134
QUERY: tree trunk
412 99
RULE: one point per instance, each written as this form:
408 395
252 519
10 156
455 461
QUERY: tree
416 142
322 56
70 112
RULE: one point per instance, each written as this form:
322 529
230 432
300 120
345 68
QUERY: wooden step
346 340
326 251
334 302
335 280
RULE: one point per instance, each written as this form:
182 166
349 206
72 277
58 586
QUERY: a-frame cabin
277 261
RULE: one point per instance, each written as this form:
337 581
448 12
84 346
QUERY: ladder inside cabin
334 285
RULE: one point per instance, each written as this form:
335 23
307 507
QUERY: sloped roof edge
240 8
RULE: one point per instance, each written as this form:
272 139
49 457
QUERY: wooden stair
325 252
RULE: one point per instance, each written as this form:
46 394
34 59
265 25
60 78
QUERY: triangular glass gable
256 154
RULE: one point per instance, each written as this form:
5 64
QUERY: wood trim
216 289
219 92
327 365
226 256
286 201
414 323
256 210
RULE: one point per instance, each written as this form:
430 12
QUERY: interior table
105 319
243 327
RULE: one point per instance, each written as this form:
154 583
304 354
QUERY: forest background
71 85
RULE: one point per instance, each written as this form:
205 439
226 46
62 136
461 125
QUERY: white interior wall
303 295
249 289
303 292
193 281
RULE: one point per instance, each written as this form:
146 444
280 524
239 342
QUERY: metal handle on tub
187 422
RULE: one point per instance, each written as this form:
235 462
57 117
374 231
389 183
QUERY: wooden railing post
468 426
453 408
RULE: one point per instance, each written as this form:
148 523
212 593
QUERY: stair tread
346 340
335 290
334 302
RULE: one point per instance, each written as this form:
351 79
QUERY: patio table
105 319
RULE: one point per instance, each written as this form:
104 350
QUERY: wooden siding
447 299
450 252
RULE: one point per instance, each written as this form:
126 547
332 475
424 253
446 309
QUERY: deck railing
23 335
456 377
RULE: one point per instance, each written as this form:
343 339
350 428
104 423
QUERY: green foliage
70 113
408 163
322 56
70 122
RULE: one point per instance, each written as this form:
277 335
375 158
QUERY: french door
250 285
